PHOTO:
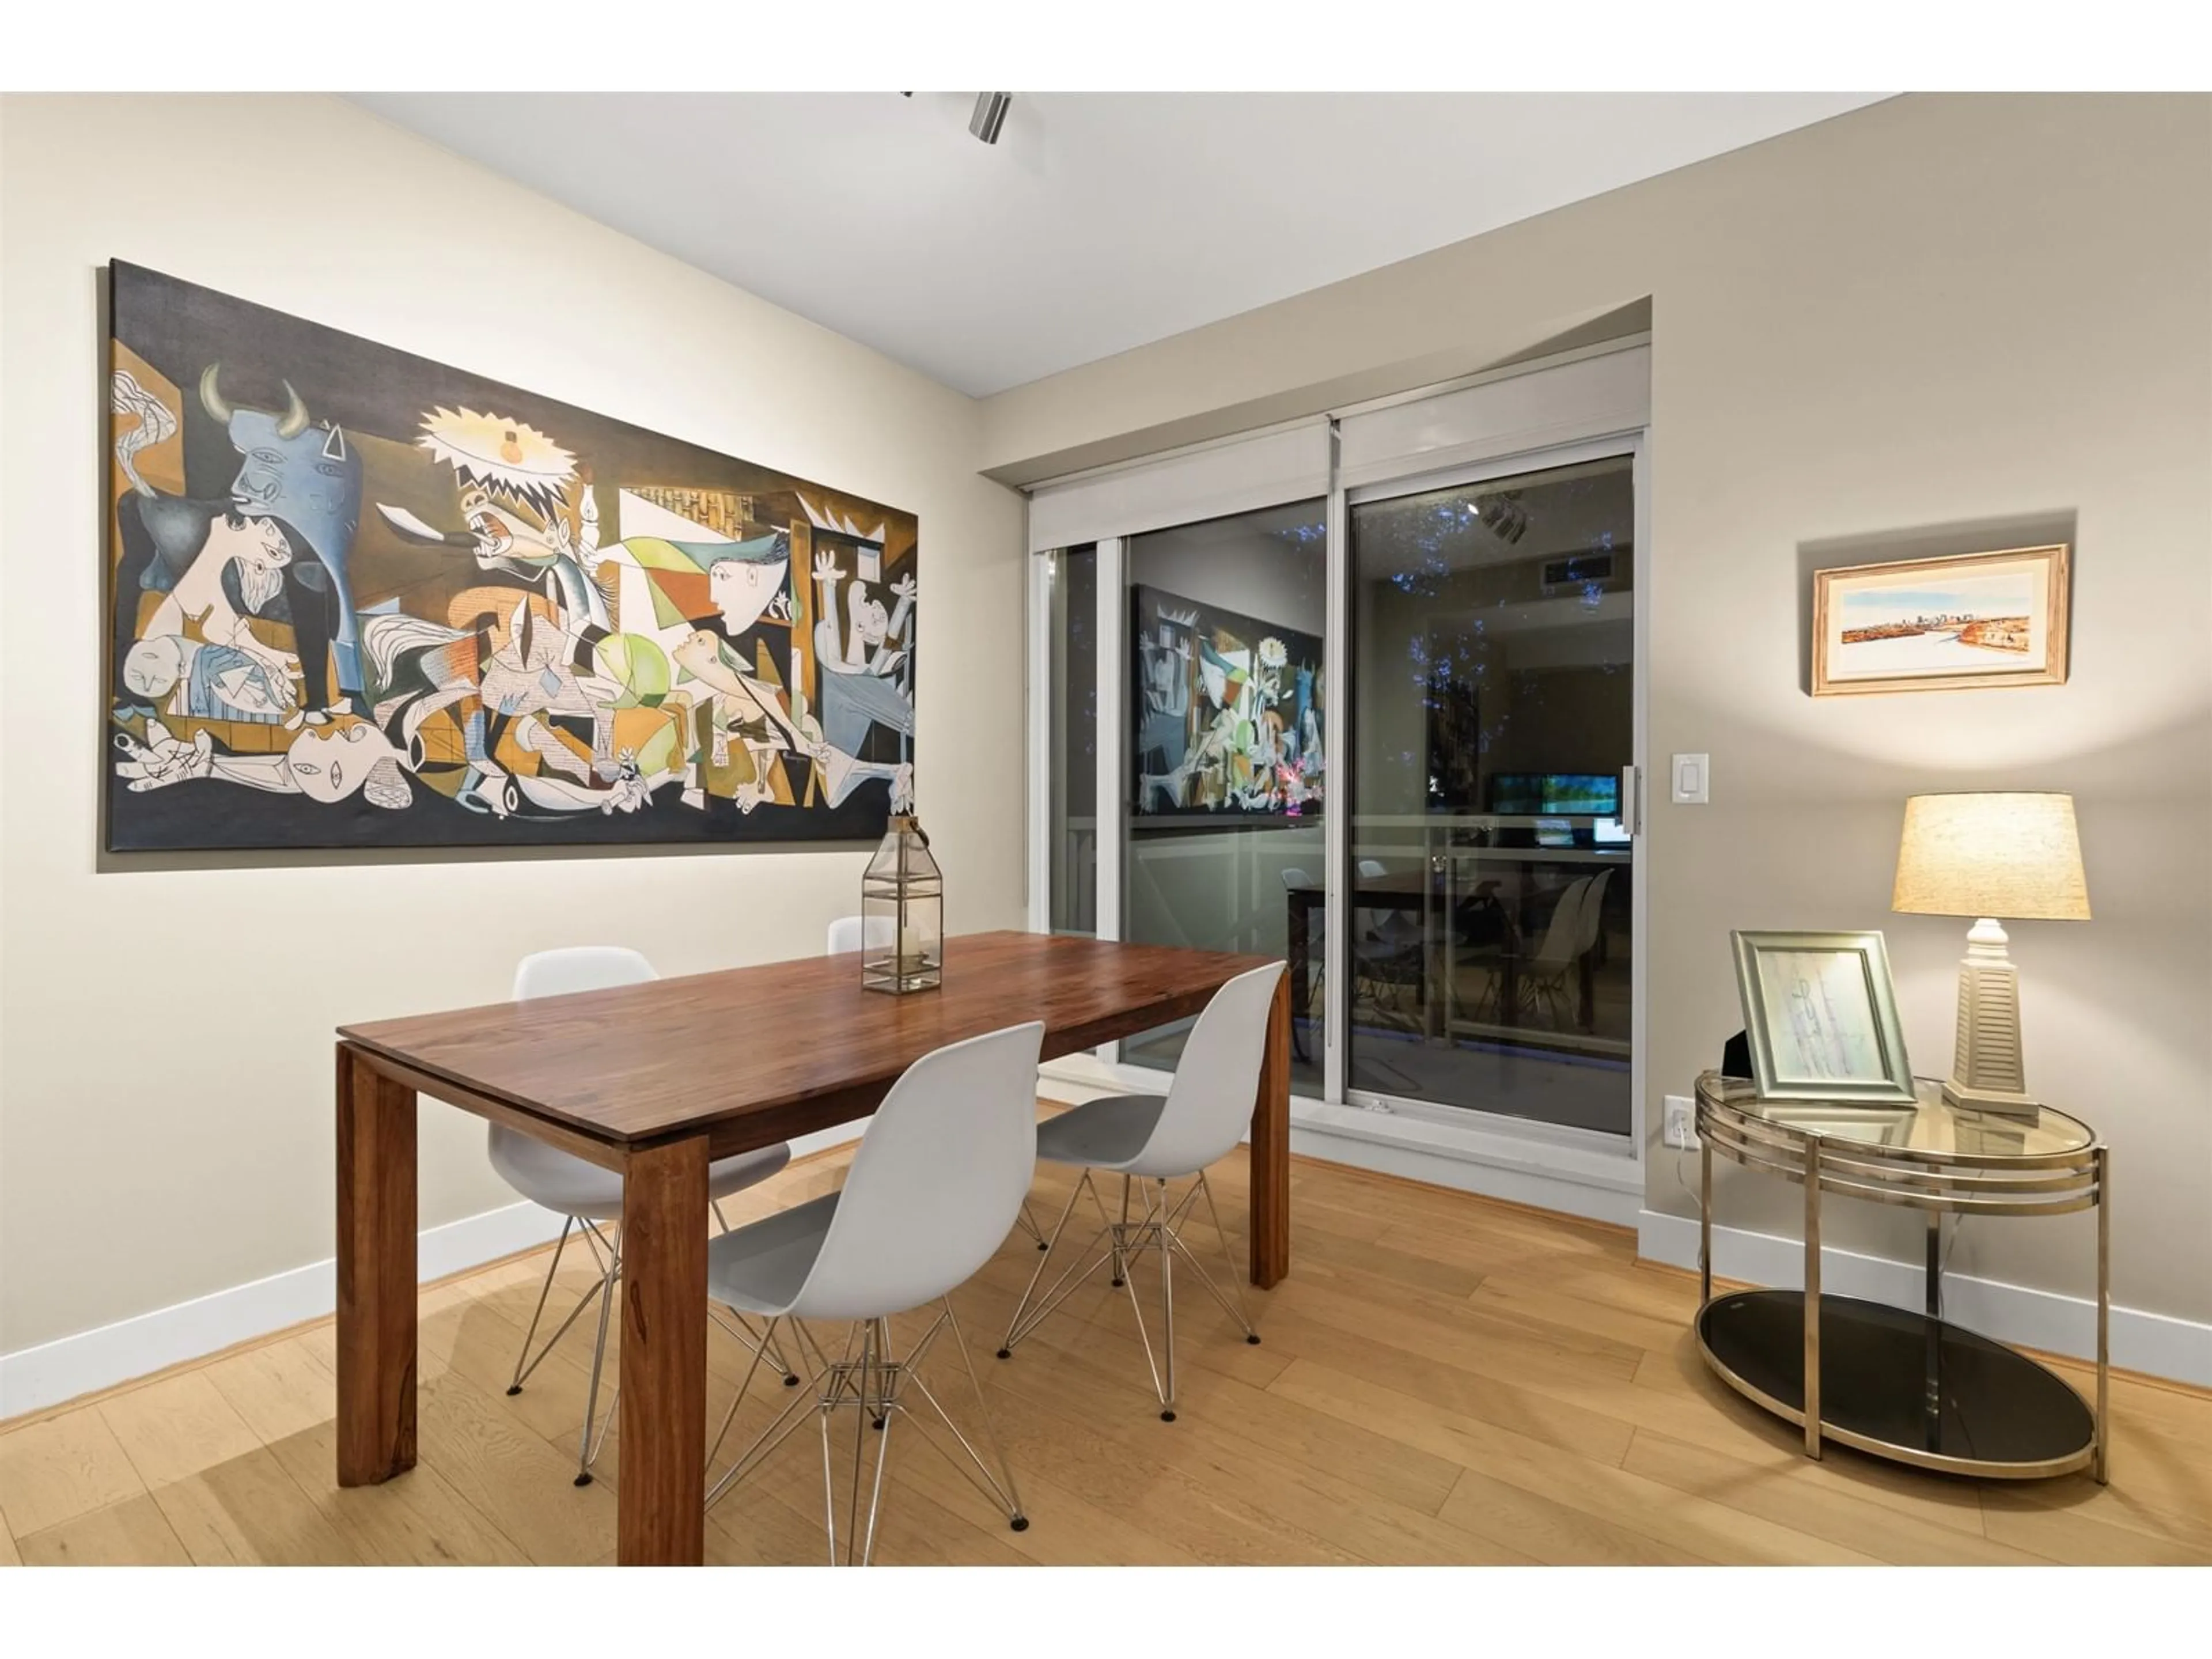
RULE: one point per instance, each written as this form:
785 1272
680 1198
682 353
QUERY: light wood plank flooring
1442 1380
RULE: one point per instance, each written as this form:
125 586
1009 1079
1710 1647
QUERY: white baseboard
34 1378
1076 1077
2158 1345
2155 1344
1398 1144
1469 1160
822 1140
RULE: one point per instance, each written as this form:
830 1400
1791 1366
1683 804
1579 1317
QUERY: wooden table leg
376 1274
662 1510
1271 1148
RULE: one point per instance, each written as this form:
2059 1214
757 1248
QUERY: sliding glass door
1071 758
1492 722
1224 705
1362 694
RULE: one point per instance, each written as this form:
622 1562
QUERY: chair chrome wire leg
738 1398
1121 1255
807 1339
523 1372
1070 1281
875 1383
1160 1227
1014 1325
742 1330
584 1450
778 1431
790 1377
828 1482
606 1424
975 1471
592 1236
1010 1494
1164 1389
1206 1281
567 1225
1228 1257
1167 1305
869 1353
883 1457
1027 1223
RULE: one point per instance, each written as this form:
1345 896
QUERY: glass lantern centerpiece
902 913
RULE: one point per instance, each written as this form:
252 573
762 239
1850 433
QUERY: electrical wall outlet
1679 1127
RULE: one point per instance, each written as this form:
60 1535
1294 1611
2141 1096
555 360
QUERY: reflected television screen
1583 794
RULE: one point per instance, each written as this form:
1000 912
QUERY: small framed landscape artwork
1983 619
1820 1015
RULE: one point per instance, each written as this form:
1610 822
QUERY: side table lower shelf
1900 1384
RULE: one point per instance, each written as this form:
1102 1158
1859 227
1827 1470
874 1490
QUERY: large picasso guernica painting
360 598
1229 715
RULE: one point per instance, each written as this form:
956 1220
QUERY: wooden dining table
658 1080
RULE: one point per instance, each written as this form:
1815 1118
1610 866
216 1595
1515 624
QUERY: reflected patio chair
1295 879
1543 977
1383 970
1393 927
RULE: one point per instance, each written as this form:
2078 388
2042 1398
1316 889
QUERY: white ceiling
1099 221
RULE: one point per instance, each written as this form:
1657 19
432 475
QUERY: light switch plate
1693 780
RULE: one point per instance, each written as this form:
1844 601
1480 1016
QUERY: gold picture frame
1820 1016
1973 621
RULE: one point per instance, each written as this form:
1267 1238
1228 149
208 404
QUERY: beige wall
166 1128
1990 314
1980 317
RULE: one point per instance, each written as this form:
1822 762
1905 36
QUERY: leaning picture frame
1819 1014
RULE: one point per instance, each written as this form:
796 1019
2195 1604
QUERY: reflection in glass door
1493 672
1225 744
1071 739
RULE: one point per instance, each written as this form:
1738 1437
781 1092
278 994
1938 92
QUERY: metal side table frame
1942 1160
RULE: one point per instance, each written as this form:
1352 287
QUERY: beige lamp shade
2014 856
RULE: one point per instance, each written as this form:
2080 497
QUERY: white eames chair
930 1197
850 933
1154 1139
586 1195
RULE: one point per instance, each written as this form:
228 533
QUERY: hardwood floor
1443 1380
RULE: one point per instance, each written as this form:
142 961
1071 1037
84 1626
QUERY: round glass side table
1892 1381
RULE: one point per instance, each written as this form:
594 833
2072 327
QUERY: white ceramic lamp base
1987 1071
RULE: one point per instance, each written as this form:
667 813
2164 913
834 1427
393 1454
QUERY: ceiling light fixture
990 115
1507 518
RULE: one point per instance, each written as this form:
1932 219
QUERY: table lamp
1988 856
